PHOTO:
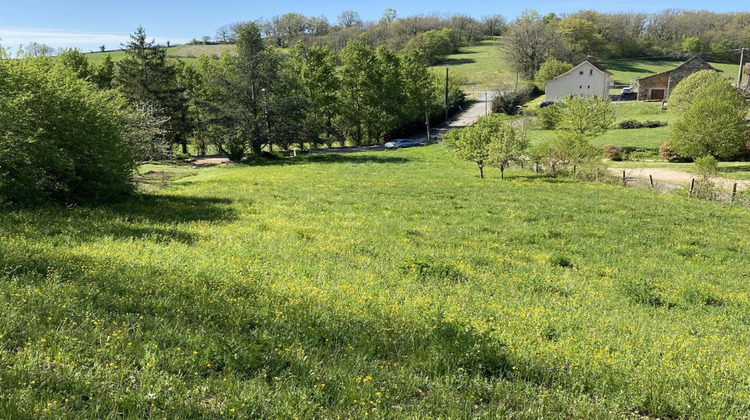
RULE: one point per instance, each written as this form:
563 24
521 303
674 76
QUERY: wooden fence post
651 180
734 193
624 182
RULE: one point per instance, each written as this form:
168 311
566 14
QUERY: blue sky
87 24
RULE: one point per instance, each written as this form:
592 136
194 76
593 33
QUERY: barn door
656 94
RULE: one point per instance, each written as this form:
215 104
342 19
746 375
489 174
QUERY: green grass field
626 71
480 67
389 284
183 52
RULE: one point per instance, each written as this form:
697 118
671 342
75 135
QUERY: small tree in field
586 117
490 141
580 119
471 143
712 121
507 145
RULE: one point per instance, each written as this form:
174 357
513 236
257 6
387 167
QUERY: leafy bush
61 139
549 116
666 152
712 120
629 124
654 124
640 154
507 102
613 152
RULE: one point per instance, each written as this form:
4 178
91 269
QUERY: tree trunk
481 170
502 172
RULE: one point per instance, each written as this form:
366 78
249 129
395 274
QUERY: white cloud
58 38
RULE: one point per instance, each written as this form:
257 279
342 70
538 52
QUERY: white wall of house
584 79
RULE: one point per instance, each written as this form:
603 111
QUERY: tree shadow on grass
734 169
173 209
154 218
456 61
343 157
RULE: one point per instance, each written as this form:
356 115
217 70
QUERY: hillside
482 67
389 284
184 52
626 71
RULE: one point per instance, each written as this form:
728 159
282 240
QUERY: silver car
396 144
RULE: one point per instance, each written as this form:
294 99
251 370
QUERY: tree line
532 38
111 115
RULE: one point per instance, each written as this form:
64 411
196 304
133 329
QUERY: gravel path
676 177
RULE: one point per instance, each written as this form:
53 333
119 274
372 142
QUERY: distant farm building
587 79
658 87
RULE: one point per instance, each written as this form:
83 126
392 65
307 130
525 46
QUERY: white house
587 78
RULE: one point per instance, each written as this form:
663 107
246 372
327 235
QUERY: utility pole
427 120
485 104
742 67
446 92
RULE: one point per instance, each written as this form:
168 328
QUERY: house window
588 87
581 72
591 72
580 87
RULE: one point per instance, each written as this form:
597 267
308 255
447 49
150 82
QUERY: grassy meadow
387 284
183 52
626 71
481 67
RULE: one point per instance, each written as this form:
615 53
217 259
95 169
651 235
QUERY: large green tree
712 117
529 42
145 76
320 86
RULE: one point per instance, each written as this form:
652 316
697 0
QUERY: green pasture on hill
480 67
626 71
183 52
387 284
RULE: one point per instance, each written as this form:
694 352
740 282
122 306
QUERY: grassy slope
393 284
185 52
626 71
480 66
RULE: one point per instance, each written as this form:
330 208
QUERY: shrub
640 154
61 139
654 124
507 102
613 152
712 120
629 124
666 152
549 116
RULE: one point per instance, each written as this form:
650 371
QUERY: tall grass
393 284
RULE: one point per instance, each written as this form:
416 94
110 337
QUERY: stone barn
658 86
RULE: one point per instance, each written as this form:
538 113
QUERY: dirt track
676 177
